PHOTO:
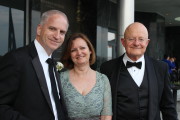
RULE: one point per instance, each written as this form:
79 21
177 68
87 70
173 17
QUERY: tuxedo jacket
160 95
23 90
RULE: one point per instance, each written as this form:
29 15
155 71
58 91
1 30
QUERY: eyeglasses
141 40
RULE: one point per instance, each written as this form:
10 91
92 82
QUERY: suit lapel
58 81
153 88
40 73
63 108
114 82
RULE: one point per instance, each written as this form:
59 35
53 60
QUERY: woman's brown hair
66 58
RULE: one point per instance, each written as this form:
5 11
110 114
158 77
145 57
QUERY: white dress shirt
43 56
136 73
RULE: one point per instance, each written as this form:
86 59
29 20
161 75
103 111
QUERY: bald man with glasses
140 84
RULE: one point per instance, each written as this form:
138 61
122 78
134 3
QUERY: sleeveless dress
90 106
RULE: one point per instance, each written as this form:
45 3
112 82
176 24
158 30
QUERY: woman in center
87 93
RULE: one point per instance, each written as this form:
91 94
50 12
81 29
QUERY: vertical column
27 16
125 17
101 45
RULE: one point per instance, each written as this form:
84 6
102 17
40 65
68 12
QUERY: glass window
4 25
11 29
111 53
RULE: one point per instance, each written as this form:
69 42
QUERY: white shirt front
136 73
43 56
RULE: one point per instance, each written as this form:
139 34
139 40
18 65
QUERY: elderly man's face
135 41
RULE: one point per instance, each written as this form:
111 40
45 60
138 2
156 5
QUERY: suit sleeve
106 68
167 105
9 83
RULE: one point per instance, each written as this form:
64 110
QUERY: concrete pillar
27 19
125 17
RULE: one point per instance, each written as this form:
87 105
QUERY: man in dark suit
140 85
26 92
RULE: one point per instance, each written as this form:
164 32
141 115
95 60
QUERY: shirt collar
126 58
43 56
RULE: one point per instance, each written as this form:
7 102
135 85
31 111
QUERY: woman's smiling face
80 53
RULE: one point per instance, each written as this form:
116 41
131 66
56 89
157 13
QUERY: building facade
97 19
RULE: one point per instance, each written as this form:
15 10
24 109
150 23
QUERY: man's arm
9 83
167 105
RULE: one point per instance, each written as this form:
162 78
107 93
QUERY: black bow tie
130 64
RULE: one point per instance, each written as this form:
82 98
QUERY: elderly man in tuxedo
140 85
27 91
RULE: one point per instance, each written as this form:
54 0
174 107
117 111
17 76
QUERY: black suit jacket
160 95
23 90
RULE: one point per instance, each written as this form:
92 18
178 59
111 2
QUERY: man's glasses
141 40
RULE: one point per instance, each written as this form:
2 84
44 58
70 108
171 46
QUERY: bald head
135 40
136 28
